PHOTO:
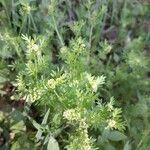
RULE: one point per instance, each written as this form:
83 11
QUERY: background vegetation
74 74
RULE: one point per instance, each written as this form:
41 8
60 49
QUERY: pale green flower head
111 124
52 83
72 115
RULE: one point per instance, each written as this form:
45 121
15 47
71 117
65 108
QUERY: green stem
23 23
32 20
90 36
59 98
58 34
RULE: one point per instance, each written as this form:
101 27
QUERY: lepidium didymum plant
70 93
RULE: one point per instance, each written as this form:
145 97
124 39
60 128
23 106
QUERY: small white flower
111 123
63 50
35 47
51 83
71 115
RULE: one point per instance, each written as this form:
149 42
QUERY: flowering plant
70 93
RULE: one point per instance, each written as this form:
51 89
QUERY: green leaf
2 79
116 136
16 116
116 58
35 124
46 117
127 146
108 146
52 144
40 132
15 146
105 134
19 126
22 143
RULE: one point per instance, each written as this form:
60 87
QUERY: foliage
67 61
70 93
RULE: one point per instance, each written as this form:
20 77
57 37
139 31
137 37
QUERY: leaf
52 144
2 79
105 134
127 146
40 132
116 136
16 116
46 117
39 128
35 124
108 146
15 146
22 143
19 126
116 58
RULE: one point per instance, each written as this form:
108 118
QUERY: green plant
84 39
70 94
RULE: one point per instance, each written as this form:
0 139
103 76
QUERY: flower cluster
72 115
111 124
34 95
82 136
52 83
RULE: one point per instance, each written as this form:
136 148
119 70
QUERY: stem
23 23
32 20
90 36
59 98
58 34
